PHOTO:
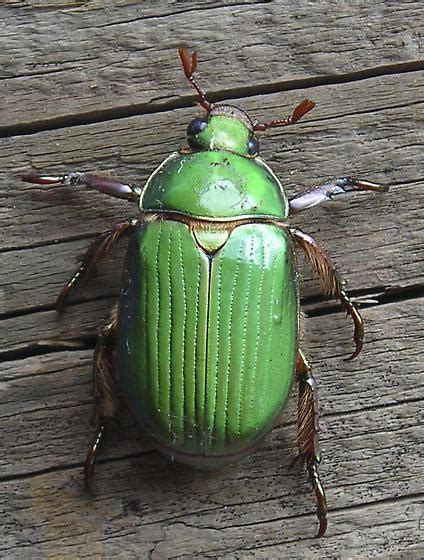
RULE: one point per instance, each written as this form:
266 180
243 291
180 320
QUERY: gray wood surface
97 85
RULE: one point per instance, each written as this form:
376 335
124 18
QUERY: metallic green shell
207 345
215 185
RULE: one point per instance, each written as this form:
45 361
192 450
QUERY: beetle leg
332 284
105 185
105 386
328 190
89 460
307 435
97 250
105 391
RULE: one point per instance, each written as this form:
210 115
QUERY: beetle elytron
203 344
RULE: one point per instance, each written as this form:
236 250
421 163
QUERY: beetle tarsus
320 496
368 186
307 435
322 529
36 179
65 291
358 334
105 185
91 456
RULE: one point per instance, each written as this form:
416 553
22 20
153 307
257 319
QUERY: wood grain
375 134
122 54
369 436
96 85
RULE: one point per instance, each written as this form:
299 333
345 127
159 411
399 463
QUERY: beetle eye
253 146
196 126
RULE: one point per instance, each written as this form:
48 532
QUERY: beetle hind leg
105 392
307 438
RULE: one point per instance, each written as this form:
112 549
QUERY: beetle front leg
96 251
307 435
105 391
332 284
105 185
329 190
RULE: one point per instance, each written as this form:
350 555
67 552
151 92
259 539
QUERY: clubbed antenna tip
304 107
189 66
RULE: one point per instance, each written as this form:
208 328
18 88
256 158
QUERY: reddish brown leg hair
307 435
331 282
105 391
95 253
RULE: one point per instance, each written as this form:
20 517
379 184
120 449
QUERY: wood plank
47 406
80 321
370 129
373 136
51 517
372 469
384 230
66 62
53 391
88 57
389 248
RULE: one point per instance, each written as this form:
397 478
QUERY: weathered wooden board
371 439
384 232
371 273
59 62
59 381
370 128
367 253
67 63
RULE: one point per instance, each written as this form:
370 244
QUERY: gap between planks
138 109
312 306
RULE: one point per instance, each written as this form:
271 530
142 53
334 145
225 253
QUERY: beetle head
226 127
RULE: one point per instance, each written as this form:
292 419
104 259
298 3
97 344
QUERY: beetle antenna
304 107
189 66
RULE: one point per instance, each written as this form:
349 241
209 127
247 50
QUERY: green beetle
203 345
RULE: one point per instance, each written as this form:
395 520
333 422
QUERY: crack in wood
351 508
194 9
137 109
312 306
42 348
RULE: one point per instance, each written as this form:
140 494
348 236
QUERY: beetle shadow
148 485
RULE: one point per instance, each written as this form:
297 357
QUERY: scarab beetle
203 344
